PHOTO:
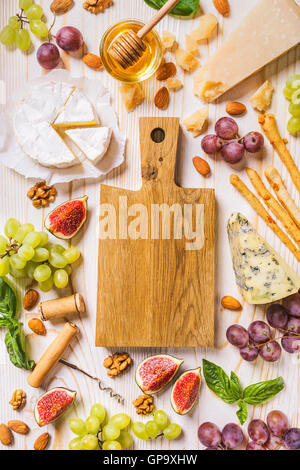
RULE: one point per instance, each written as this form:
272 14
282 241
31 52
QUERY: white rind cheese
93 141
261 274
77 111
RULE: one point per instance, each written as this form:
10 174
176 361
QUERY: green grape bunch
25 253
14 32
292 94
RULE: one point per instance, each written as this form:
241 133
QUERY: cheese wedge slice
271 28
261 274
77 112
93 141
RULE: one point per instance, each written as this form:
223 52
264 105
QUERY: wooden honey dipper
129 47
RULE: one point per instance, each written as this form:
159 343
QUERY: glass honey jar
145 67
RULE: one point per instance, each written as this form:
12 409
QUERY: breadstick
261 211
269 126
274 206
282 194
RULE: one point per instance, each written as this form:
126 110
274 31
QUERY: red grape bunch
212 438
227 141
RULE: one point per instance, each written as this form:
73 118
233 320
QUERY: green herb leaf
262 392
8 303
183 8
14 345
235 386
242 412
218 381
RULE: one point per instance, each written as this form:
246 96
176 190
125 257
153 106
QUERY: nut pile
143 404
18 399
41 194
117 363
96 6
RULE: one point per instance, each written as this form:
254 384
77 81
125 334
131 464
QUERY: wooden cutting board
156 289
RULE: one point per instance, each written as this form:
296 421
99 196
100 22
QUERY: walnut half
117 363
143 404
18 399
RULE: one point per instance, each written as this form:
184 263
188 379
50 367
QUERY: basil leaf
14 345
8 303
261 392
183 8
242 412
235 386
218 381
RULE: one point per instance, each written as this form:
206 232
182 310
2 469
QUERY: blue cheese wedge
261 274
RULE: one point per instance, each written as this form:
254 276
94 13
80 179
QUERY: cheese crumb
174 84
262 99
169 41
197 121
205 28
132 95
186 60
191 45
208 91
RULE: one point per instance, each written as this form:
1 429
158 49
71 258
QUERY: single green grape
288 92
71 254
75 444
25 4
7 36
293 81
92 424
120 420
35 12
111 445
22 231
33 239
172 431
99 411
38 28
30 267
161 419
42 273
296 97
4 266
11 227
293 126
139 430
110 432
3 244
45 286
16 262
44 238
14 22
125 439
152 429
294 109
68 270
26 252
17 273
57 249
61 278
40 255
78 426
89 442
57 260
23 41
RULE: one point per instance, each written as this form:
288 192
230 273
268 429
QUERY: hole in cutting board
158 135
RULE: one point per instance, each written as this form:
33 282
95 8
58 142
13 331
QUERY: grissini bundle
261 211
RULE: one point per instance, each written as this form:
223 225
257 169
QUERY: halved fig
155 372
186 390
52 405
67 219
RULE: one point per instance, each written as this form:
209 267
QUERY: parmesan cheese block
76 112
92 141
261 274
271 28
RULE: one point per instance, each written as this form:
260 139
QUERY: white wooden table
15 68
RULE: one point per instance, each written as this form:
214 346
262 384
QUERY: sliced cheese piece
92 141
271 28
261 274
77 112
262 98
197 121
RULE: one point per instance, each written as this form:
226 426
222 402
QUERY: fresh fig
67 219
186 390
155 372
52 405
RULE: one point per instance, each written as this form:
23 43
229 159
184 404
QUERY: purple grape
293 325
292 439
277 423
253 142
48 56
69 38
258 431
249 353
232 152
259 332
254 446
226 128
292 304
209 435
211 144
277 316
232 436
237 335
270 352
290 343
274 442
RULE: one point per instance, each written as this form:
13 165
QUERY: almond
6 436
162 98
235 108
37 326
30 299
18 426
230 303
92 60
41 442
222 6
61 6
201 166
165 71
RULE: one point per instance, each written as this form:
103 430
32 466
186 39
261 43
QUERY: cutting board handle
159 143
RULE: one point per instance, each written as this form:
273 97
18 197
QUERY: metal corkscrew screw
102 387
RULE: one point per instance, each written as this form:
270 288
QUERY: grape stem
50 36
255 345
